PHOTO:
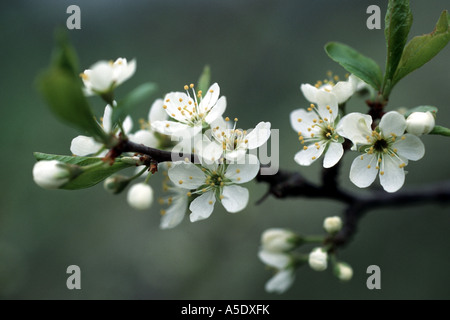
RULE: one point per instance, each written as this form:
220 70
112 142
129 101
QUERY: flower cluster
385 147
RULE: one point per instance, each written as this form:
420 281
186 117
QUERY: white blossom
343 271
385 151
140 196
316 128
332 224
104 76
278 240
284 271
419 123
51 174
342 90
318 259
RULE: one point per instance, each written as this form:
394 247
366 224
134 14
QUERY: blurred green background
260 52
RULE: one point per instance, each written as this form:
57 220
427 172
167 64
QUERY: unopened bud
332 224
140 196
279 240
419 123
343 271
318 259
115 184
52 174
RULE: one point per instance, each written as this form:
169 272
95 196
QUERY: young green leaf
94 170
397 25
205 80
422 49
66 100
354 62
138 95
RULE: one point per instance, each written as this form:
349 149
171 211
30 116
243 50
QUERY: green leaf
441 131
432 109
64 55
94 170
138 95
205 80
66 100
354 62
422 49
398 22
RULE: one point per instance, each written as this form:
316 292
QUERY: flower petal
333 154
301 120
217 110
274 259
144 137
327 99
208 150
411 147
356 127
392 123
235 198
363 171
186 175
343 90
235 155
100 76
127 124
83 146
281 281
171 128
245 171
157 112
107 125
308 156
394 176
258 136
309 92
178 105
202 207
210 98
175 213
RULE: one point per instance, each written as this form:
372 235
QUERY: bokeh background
259 51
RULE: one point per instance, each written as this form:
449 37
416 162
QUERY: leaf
91 175
66 100
441 131
205 79
138 95
64 55
354 62
422 49
398 22
432 109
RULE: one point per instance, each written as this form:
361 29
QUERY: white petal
394 176
360 173
333 154
210 98
392 122
258 136
301 120
202 207
355 127
411 147
178 103
281 281
309 92
171 128
235 155
245 171
124 70
308 156
127 124
208 150
274 259
144 137
235 198
190 176
175 213
83 146
217 110
157 112
107 125
327 99
343 90
100 76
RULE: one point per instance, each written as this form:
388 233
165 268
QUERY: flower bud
115 184
52 174
343 271
279 240
419 123
140 196
332 224
318 259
